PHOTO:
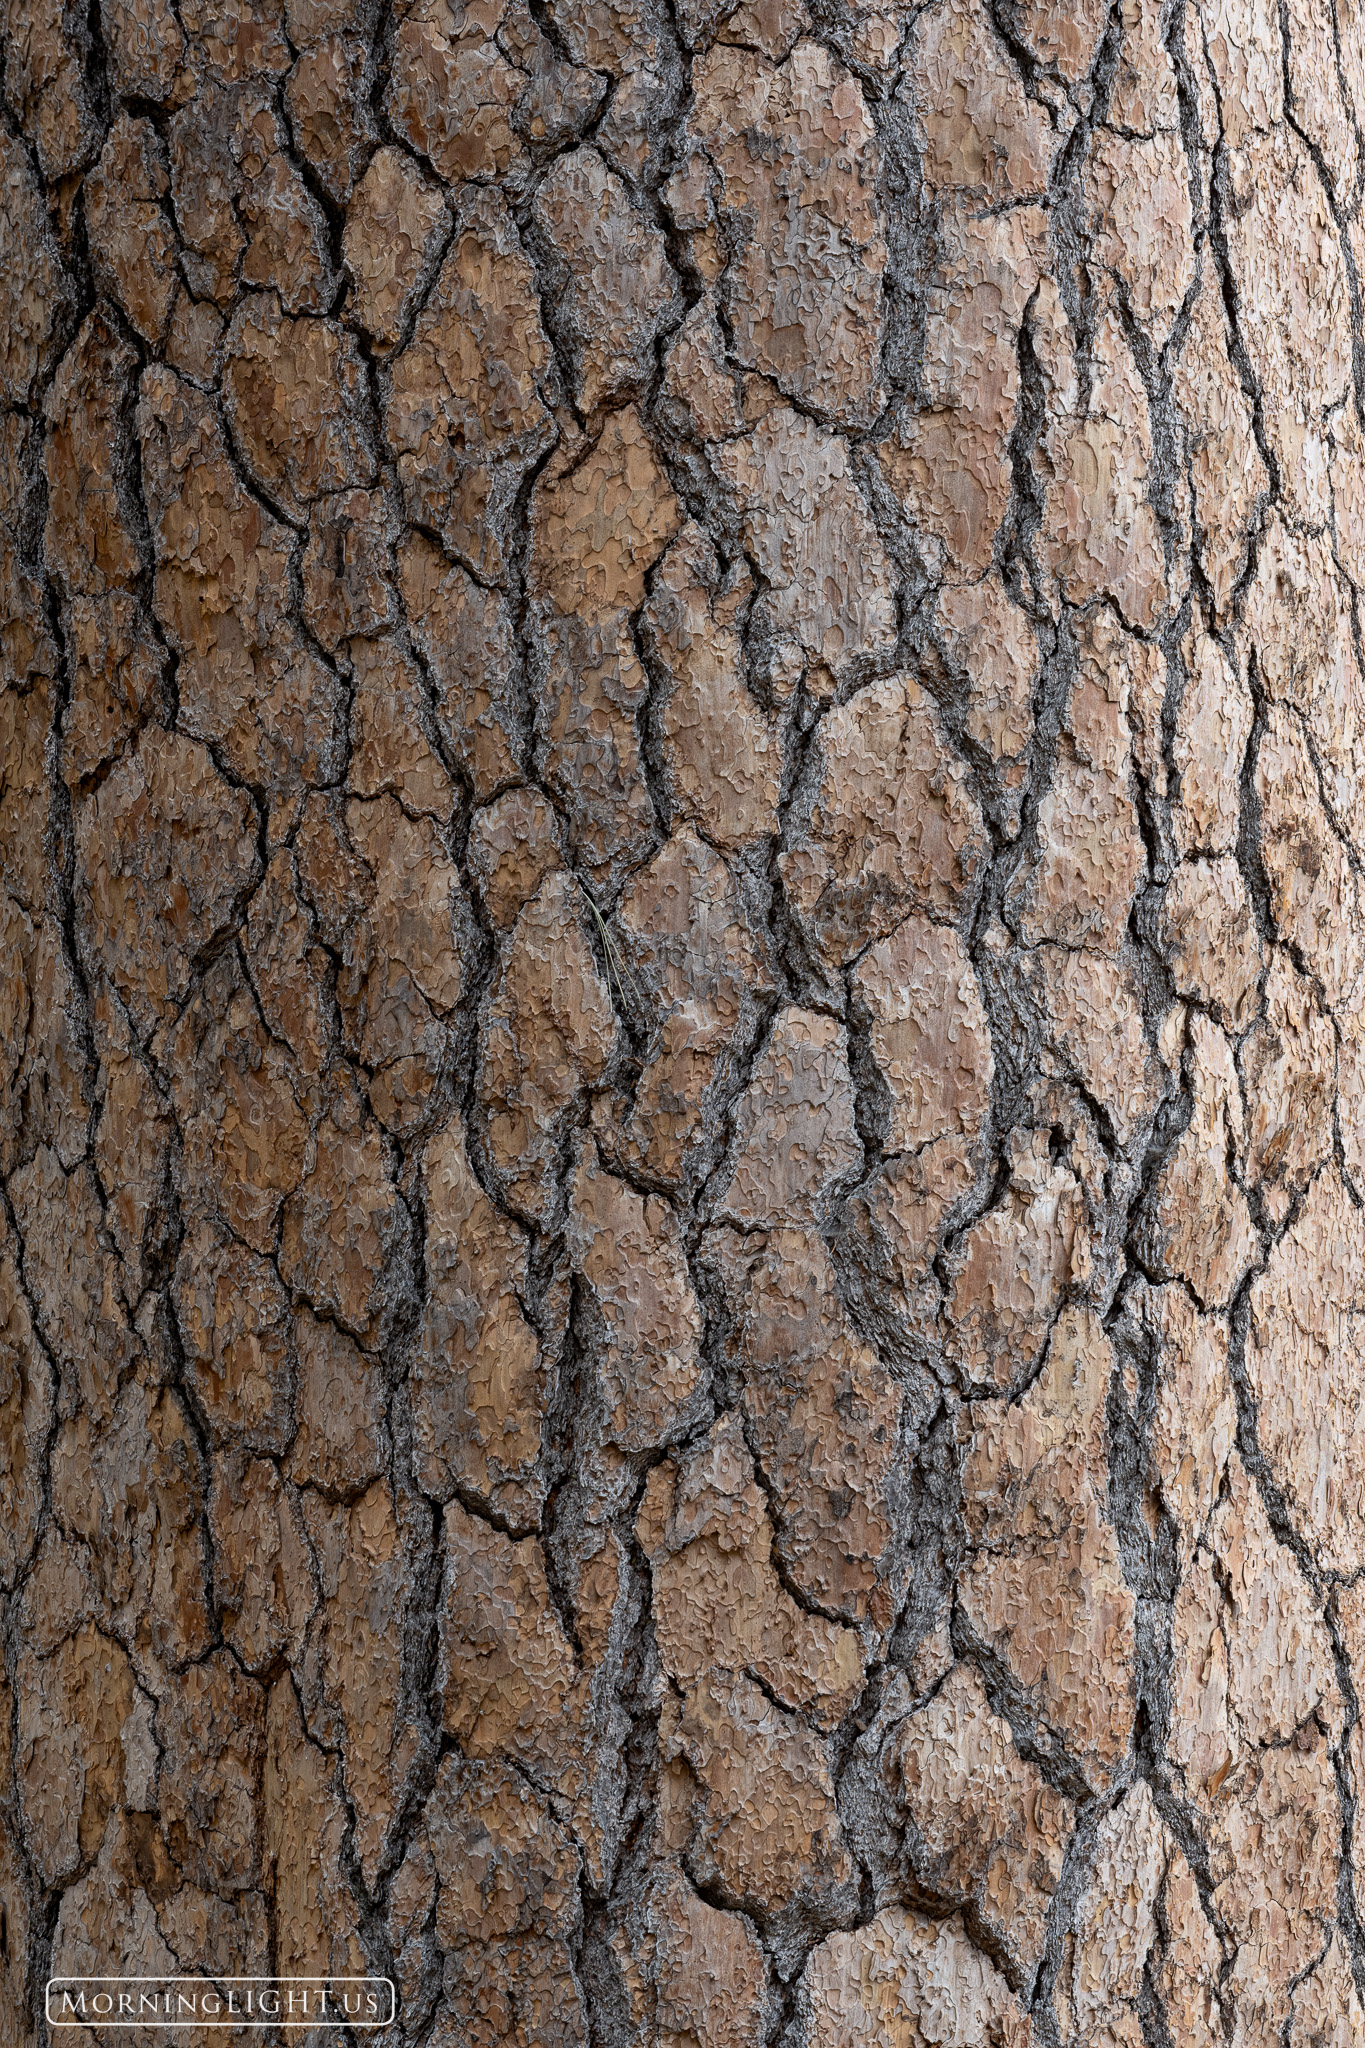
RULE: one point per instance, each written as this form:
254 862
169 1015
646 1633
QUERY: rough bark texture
682 1014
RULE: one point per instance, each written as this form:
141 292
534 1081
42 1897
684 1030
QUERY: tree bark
682 1007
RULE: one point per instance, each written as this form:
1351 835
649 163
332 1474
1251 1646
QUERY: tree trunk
683 1006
